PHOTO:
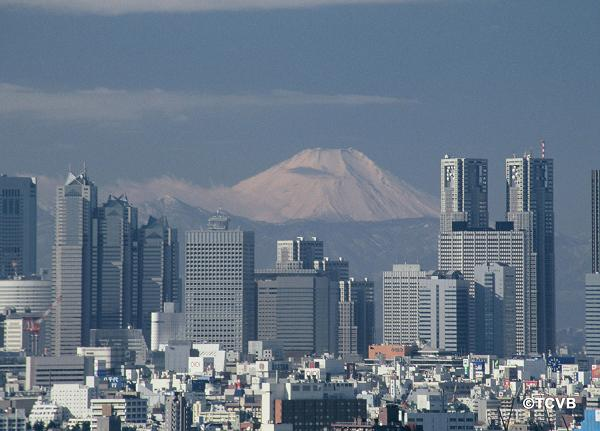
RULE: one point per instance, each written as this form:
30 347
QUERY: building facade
356 312
495 286
595 221
464 192
592 314
76 203
220 292
401 303
18 226
530 206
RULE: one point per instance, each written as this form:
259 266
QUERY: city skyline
493 79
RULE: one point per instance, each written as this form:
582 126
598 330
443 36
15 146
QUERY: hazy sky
213 96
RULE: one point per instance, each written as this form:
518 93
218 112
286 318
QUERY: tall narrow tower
530 206
76 203
596 221
464 193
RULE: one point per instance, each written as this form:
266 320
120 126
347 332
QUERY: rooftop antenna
543 148
84 169
70 168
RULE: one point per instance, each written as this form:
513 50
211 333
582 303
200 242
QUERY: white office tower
443 312
167 325
464 192
220 293
355 316
76 203
401 303
464 250
592 314
114 264
18 226
495 284
158 262
530 205
26 294
299 253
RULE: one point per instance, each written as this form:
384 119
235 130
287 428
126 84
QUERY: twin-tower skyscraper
529 210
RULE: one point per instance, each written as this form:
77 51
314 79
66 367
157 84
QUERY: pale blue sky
216 96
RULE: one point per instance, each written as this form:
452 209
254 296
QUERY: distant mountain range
363 213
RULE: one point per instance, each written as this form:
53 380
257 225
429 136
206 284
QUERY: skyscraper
299 253
158 271
114 264
595 221
401 303
294 310
18 226
76 203
464 249
530 206
356 316
592 314
220 292
464 192
443 311
495 284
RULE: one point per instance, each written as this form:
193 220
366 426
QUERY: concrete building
167 326
294 310
463 249
592 314
530 206
356 317
18 226
46 371
13 420
440 421
45 413
127 345
495 285
26 294
24 333
299 253
337 269
464 192
129 408
220 292
443 312
401 303
159 281
76 203
73 398
178 413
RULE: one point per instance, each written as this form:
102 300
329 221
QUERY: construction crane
33 325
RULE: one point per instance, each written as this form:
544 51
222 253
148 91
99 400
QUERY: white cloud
120 7
121 105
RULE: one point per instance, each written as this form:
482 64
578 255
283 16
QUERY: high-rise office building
18 226
76 203
495 286
355 316
595 221
294 310
530 206
443 311
220 291
401 303
299 253
463 249
114 264
592 314
464 192
158 271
